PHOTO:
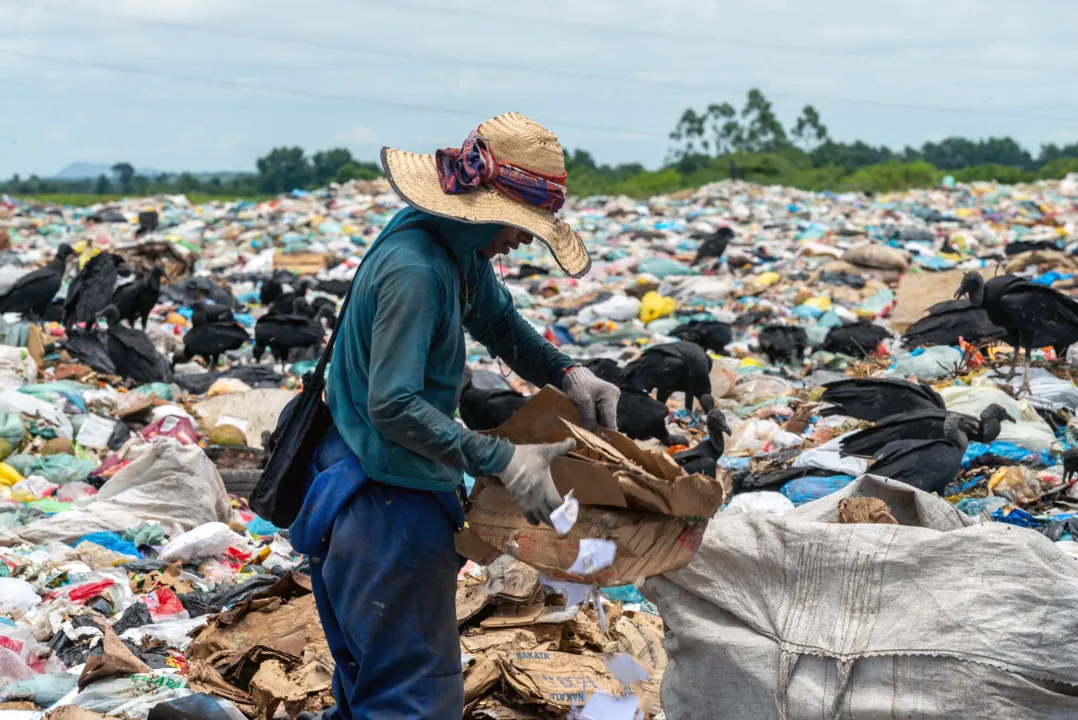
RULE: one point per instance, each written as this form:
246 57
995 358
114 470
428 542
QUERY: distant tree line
706 145
282 170
720 140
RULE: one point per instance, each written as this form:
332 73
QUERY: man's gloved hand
597 399
527 478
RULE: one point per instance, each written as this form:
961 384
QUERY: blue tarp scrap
809 488
1007 451
1016 516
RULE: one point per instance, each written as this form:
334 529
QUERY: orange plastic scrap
974 358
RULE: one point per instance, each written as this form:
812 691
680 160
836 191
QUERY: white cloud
357 135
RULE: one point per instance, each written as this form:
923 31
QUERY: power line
543 71
298 92
709 40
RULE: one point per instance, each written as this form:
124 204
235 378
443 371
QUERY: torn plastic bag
13 667
41 690
196 707
763 501
927 363
95 432
133 696
42 416
806 489
166 482
135 616
1030 431
1046 390
827 457
17 595
12 428
975 451
173 632
203 541
60 469
619 308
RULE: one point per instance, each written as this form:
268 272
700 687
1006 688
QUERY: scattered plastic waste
122 497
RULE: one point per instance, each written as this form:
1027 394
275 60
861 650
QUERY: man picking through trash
379 517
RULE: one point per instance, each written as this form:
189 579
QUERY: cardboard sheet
642 501
919 291
648 543
558 681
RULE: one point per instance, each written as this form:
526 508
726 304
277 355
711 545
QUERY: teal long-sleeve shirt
398 362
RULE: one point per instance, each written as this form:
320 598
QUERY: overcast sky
207 85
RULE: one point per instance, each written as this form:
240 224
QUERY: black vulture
147 222
842 278
195 288
213 331
90 347
135 300
924 425
278 284
703 457
288 300
609 370
32 293
487 408
673 367
714 245
321 308
55 311
1070 464
753 317
783 343
1032 315
339 288
1018 247
775 479
642 417
709 334
949 321
284 333
526 271
92 289
874 399
929 465
132 352
857 339
257 376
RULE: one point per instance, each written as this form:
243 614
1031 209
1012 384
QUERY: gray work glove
528 481
596 399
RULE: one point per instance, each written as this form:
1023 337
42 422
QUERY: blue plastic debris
809 488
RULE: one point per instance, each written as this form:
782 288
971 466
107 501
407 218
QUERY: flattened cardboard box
644 502
560 681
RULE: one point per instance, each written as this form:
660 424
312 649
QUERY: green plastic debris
158 389
11 428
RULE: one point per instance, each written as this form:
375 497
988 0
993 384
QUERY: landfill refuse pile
772 347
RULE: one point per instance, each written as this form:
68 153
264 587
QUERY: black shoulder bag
304 421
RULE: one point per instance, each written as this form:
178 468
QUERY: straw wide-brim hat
515 140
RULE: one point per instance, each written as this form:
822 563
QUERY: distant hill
85 170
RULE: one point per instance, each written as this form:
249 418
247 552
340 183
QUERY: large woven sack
797 616
879 257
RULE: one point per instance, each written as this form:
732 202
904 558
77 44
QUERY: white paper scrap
607 707
594 555
626 668
564 516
